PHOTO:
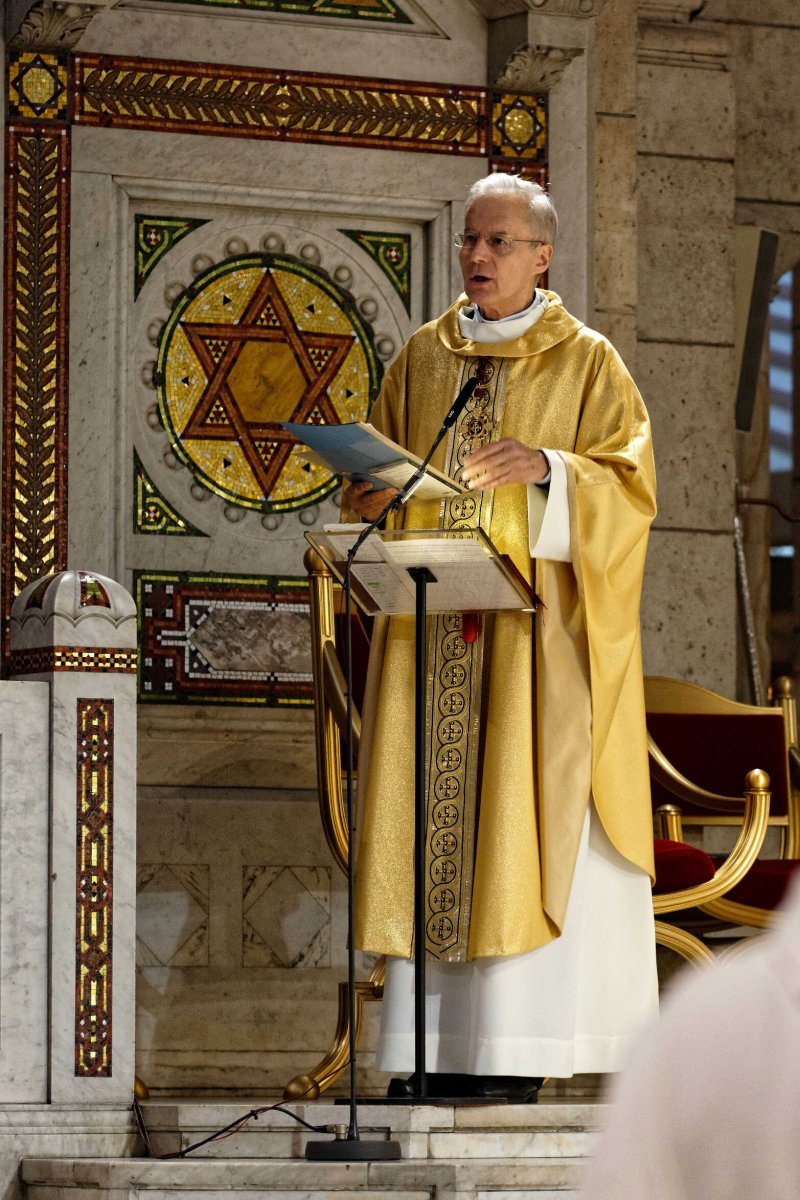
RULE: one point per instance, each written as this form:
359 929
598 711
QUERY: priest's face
501 284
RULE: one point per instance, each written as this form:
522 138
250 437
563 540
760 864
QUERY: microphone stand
350 1148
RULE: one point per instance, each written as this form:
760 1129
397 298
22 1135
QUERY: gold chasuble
541 712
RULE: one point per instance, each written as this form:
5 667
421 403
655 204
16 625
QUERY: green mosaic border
146 258
146 492
377 246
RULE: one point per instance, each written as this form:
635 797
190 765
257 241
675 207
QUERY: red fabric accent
470 626
716 751
766 883
680 866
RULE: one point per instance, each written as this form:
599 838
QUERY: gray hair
540 208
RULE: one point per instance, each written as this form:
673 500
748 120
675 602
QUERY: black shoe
514 1089
440 1086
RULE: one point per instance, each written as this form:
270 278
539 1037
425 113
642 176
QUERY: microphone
455 411
458 405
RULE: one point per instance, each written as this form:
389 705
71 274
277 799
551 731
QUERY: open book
360 452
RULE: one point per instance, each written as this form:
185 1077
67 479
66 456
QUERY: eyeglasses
496 243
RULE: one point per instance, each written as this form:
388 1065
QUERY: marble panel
274 902
686 111
689 625
172 915
447 47
24 848
300 170
212 747
546 1115
615 35
686 259
93 463
475 1175
615 250
505 1144
286 916
767 110
689 394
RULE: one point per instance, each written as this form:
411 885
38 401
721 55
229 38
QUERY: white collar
476 328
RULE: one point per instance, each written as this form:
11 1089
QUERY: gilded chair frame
750 812
330 719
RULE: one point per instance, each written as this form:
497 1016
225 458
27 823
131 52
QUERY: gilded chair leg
683 943
325 1073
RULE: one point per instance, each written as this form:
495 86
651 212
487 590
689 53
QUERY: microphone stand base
352 1150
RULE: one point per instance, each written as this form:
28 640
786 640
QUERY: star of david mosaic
253 342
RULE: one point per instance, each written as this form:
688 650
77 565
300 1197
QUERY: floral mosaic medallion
252 342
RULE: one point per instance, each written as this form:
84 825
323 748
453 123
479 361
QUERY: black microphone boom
456 409
459 404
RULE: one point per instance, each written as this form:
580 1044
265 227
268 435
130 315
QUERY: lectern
419 572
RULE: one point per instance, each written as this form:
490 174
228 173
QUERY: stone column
77 632
548 46
685 327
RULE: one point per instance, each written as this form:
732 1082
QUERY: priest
539 919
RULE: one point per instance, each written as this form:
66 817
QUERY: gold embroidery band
455 674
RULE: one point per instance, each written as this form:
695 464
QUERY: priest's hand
505 461
366 501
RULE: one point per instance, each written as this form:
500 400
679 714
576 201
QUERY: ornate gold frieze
35 367
140 93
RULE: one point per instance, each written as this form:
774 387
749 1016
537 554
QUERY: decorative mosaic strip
35 326
38 86
387 12
519 126
141 93
94 895
45 659
231 639
155 237
93 594
152 514
392 253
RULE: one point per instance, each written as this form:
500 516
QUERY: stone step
562 1130
257 1179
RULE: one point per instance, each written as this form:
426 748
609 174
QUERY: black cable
253 1115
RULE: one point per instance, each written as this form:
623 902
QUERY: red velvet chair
703 748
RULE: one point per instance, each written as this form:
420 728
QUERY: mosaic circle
254 341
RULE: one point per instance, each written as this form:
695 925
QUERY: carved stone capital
494 9
671 34
535 68
55 24
670 12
